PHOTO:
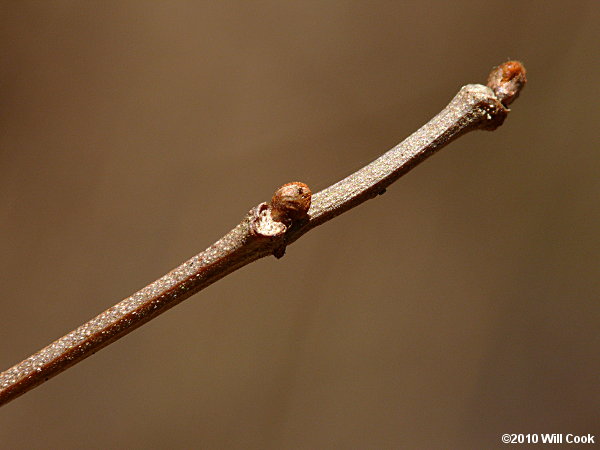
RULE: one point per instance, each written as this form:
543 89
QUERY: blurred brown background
461 305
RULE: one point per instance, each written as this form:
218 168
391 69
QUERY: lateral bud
291 202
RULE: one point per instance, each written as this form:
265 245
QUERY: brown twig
270 227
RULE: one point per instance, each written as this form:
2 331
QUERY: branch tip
507 80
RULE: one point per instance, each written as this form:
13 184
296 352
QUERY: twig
270 227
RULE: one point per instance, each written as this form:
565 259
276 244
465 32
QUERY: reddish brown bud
507 80
291 202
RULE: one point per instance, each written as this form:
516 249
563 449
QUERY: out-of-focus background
461 305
